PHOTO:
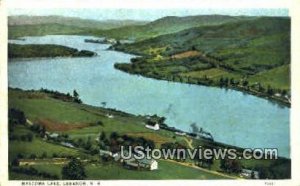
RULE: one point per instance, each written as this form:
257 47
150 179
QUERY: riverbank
81 125
233 84
47 50
231 55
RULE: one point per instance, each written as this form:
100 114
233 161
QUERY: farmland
69 113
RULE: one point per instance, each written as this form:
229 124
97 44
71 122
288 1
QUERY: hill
19 26
14 32
210 54
167 25
124 29
70 21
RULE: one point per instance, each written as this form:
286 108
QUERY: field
248 55
278 77
212 73
40 106
33 106
106 171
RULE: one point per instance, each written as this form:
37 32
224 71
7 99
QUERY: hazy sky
144 14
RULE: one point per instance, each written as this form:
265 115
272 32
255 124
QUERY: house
66 144
133 162
153 127
111 41
277 95
251 174
143 163
180 133
107 153
110 116
52 135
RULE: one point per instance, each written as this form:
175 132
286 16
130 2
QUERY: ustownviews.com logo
140 152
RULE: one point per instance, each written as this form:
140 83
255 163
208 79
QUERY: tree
230 165
75 94
270 91
16 116
42 131
102 136
103 104
114 135
44 155
74 170
194 127
76 97
245 83
29 137
32 156
232 81
88 144
161 120
15 162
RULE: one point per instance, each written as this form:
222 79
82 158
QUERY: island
45 50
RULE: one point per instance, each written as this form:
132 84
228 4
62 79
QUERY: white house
66 144
52 135
110 116
246 173
180 133
153 165
107 153
153 127
143 163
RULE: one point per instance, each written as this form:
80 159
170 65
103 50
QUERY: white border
294 7
145 4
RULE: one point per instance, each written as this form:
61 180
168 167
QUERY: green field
34 105
254 51
212 73
112 171
40 106
277 77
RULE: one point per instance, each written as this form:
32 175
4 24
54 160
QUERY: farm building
153 127
143 163
246 173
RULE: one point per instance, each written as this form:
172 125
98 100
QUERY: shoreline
272 99
175 78
164 126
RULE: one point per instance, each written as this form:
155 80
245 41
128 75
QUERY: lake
231 116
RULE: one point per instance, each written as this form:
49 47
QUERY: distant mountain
70 21
248 45
119 29
167 25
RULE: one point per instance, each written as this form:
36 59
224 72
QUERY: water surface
231 116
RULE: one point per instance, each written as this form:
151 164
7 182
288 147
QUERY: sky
146 9
142 14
